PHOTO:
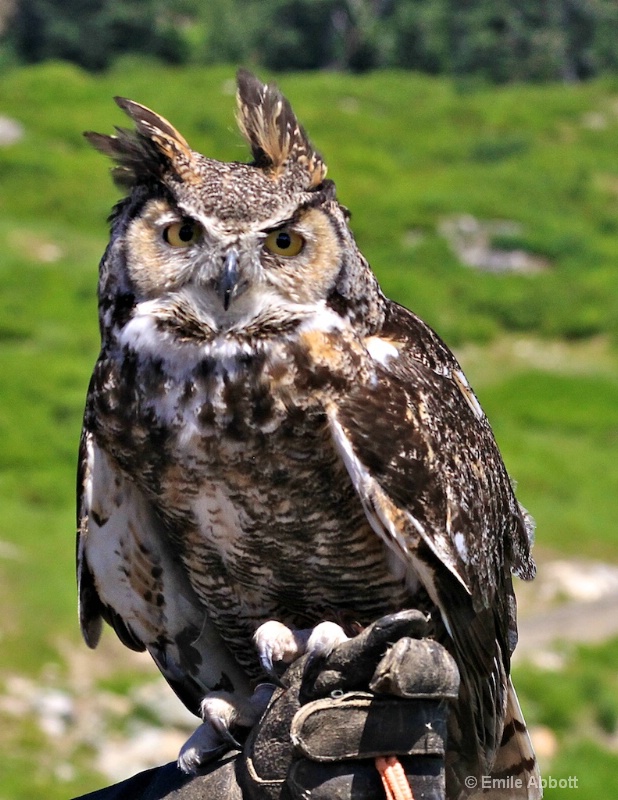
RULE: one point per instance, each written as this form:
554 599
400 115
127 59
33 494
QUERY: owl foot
222 712
202 746
276 642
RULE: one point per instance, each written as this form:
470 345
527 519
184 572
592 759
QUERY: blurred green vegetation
406 152
584 700
531 40
579 702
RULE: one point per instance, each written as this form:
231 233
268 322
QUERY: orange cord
394 778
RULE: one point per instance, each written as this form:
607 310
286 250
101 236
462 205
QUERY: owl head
230 247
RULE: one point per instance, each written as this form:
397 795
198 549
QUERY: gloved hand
319 739
385 692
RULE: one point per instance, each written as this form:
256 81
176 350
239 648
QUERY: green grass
579 699
559 434
594 768
406 151
31 769
580 704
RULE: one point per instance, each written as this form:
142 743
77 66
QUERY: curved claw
275 642
203 746
311 660
224 732
324 638
266 662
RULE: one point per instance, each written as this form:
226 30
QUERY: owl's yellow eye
284 242
182 234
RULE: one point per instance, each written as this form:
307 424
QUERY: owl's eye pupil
186 232
183 233
284 240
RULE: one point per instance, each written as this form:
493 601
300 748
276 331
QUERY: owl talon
222 711
323 640
269 668
202 746
275 642
221 727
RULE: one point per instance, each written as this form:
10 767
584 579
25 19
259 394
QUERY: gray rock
11 131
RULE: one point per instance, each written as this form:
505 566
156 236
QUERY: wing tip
92 628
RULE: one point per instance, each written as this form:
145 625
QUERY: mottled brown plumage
268 437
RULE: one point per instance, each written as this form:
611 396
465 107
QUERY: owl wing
128 577
428 472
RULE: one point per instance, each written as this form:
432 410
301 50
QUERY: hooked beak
229 278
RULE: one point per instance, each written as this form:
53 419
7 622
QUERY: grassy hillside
407 153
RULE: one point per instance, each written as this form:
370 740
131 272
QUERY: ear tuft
277 140
150 152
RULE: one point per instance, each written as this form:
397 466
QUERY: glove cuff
363 725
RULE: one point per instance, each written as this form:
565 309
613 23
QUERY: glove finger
416 668
352 664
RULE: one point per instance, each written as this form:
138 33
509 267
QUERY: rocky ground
471 240
571 600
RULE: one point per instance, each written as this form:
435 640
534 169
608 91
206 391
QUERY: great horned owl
269 443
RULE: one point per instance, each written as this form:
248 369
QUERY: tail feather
515 773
